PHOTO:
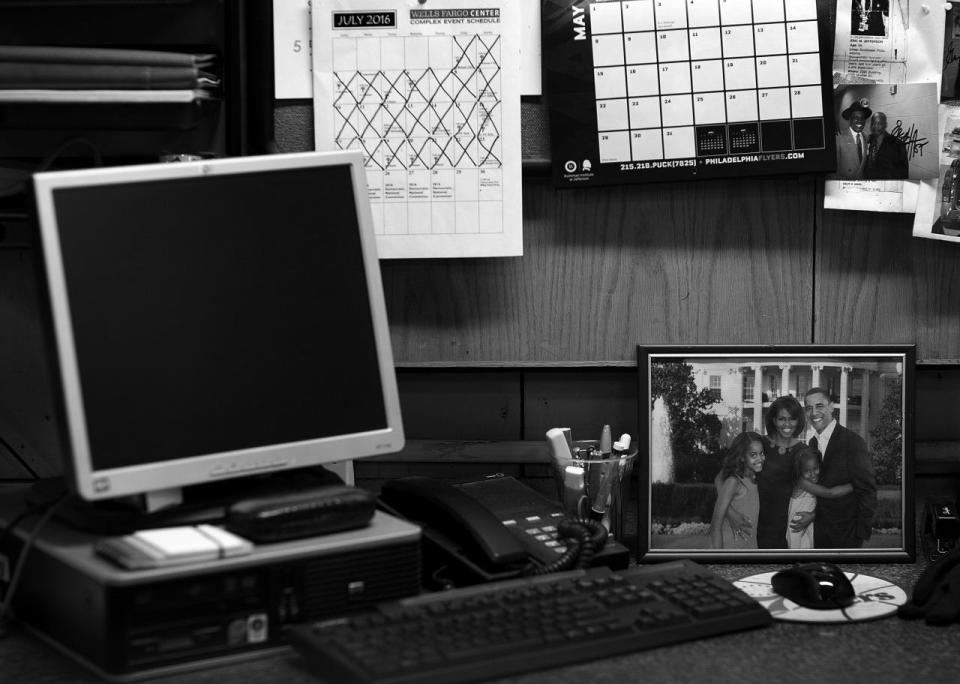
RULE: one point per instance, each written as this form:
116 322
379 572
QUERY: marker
568 433
599 505
605 438
573 486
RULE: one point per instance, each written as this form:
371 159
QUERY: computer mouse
815 585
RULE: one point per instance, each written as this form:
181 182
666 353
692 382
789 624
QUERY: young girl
806 473
738 489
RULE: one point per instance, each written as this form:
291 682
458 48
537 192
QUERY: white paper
530 54
432 100
175 542
888 43
293 63
927 204
871 42
938 213
886 196
291 50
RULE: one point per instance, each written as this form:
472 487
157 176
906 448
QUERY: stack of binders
32 73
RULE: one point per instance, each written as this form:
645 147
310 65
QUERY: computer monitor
215 319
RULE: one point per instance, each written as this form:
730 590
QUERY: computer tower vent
350 581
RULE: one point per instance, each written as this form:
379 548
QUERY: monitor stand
202 503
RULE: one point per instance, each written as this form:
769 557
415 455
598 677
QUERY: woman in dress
738 491
784 422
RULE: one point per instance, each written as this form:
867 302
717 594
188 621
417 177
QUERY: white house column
743 399
758 398
815 379
844 379
865 407
784 379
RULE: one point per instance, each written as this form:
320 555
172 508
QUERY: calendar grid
684 88
426 114
722 82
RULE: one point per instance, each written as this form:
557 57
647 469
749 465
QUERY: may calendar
645 90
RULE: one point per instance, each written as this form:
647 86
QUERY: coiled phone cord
585 538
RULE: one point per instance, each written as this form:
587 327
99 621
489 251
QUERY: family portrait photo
779 453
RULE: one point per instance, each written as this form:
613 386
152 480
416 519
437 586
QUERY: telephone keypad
539 534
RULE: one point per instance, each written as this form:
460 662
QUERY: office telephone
495 529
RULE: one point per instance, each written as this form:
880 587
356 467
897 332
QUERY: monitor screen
215 319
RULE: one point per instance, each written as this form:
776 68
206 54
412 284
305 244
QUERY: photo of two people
886 132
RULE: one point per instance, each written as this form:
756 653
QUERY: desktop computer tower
127 625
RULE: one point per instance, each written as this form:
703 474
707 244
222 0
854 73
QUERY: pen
599 505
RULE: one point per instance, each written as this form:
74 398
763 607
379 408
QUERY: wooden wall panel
28 440
938 396
875 283
583 399
461 404
607 268
516 404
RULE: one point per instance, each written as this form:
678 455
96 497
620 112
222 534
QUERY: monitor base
202 503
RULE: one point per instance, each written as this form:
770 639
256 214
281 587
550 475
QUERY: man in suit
845 522
886 155
852 143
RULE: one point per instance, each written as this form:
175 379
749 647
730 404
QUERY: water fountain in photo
661 453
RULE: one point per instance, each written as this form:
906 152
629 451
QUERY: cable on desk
70 142
21 560
36 509
16 455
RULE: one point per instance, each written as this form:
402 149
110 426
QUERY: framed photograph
777 453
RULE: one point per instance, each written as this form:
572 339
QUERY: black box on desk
127 625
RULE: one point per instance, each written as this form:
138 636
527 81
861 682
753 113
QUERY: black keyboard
508 627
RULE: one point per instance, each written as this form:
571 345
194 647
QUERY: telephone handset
495 529
461 518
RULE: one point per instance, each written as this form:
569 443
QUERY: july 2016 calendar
644 90
429 93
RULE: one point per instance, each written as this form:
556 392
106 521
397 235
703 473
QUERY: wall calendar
646 90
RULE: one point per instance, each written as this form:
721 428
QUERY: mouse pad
876 598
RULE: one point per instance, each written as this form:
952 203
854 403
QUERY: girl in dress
806 472
738 490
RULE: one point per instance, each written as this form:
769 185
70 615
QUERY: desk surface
883 650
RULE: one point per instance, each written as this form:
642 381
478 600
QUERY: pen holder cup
598 488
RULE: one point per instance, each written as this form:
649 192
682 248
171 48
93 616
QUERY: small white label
257 629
